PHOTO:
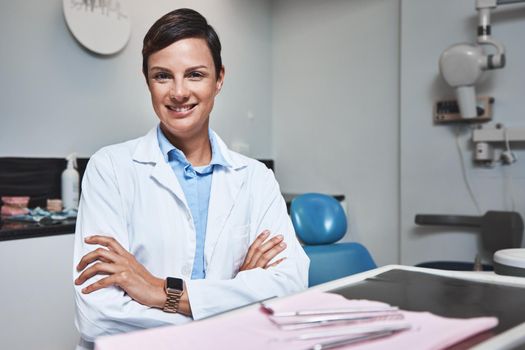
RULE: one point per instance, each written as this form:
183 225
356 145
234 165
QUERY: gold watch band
174 294
172 302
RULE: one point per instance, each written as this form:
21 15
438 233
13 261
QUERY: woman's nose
179 91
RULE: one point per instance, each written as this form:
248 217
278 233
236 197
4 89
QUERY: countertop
10 230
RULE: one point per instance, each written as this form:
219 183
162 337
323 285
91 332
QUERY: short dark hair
176 25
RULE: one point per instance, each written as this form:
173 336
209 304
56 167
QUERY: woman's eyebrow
196 67
160 68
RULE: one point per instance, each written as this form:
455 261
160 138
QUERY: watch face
174 283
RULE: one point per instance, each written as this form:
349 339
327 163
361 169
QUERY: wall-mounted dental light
462 65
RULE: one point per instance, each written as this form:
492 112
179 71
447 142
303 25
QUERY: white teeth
181 108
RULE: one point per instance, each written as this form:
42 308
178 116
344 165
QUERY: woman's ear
220 80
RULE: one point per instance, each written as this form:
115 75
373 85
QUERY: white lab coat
131 193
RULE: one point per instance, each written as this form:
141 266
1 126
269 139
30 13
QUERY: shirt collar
166 148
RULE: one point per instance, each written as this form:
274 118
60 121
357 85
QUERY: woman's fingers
119 268
113 253
269 251
116 276
108 242
100 254
256 244
275 263
96 269
263 249
134 285
102 283
261 252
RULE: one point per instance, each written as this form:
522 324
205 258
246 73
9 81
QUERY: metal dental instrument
351 340
358 309
312 322
354 331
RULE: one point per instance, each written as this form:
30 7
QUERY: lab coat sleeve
208 297
101 212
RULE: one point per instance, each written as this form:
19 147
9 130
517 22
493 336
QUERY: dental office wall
354 86
344 119
56 98
431 175
336 115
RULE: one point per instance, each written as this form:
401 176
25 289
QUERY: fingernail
282 245
84 290
265 233
280 236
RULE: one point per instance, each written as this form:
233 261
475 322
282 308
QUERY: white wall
431 178
36 298
55 97
335 95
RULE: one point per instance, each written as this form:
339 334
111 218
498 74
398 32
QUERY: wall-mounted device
447 111
487 136
462 65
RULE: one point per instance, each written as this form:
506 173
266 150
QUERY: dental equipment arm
462 65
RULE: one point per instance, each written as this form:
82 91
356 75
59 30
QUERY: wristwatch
174 288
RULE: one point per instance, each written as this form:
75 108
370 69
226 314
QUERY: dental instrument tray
444 296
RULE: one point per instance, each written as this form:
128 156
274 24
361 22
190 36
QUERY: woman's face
183 85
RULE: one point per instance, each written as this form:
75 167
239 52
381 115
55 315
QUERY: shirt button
190 173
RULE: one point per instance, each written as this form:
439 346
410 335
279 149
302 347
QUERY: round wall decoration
101 26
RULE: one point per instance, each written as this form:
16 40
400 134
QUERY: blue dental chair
320 221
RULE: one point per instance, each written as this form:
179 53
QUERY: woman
186 228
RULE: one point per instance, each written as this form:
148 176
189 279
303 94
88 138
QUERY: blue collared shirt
196 185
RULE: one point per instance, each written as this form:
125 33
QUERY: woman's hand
261 252
122 270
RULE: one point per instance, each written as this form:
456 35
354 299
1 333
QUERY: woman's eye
161 76
195 75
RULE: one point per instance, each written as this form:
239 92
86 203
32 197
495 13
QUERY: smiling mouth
181 109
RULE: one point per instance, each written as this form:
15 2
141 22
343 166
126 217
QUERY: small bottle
70 180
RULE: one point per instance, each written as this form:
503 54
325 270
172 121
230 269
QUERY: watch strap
174 294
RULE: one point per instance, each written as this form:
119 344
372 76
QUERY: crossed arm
122 269
119 290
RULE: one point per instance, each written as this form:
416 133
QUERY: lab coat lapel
225 187
164 175
148 152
